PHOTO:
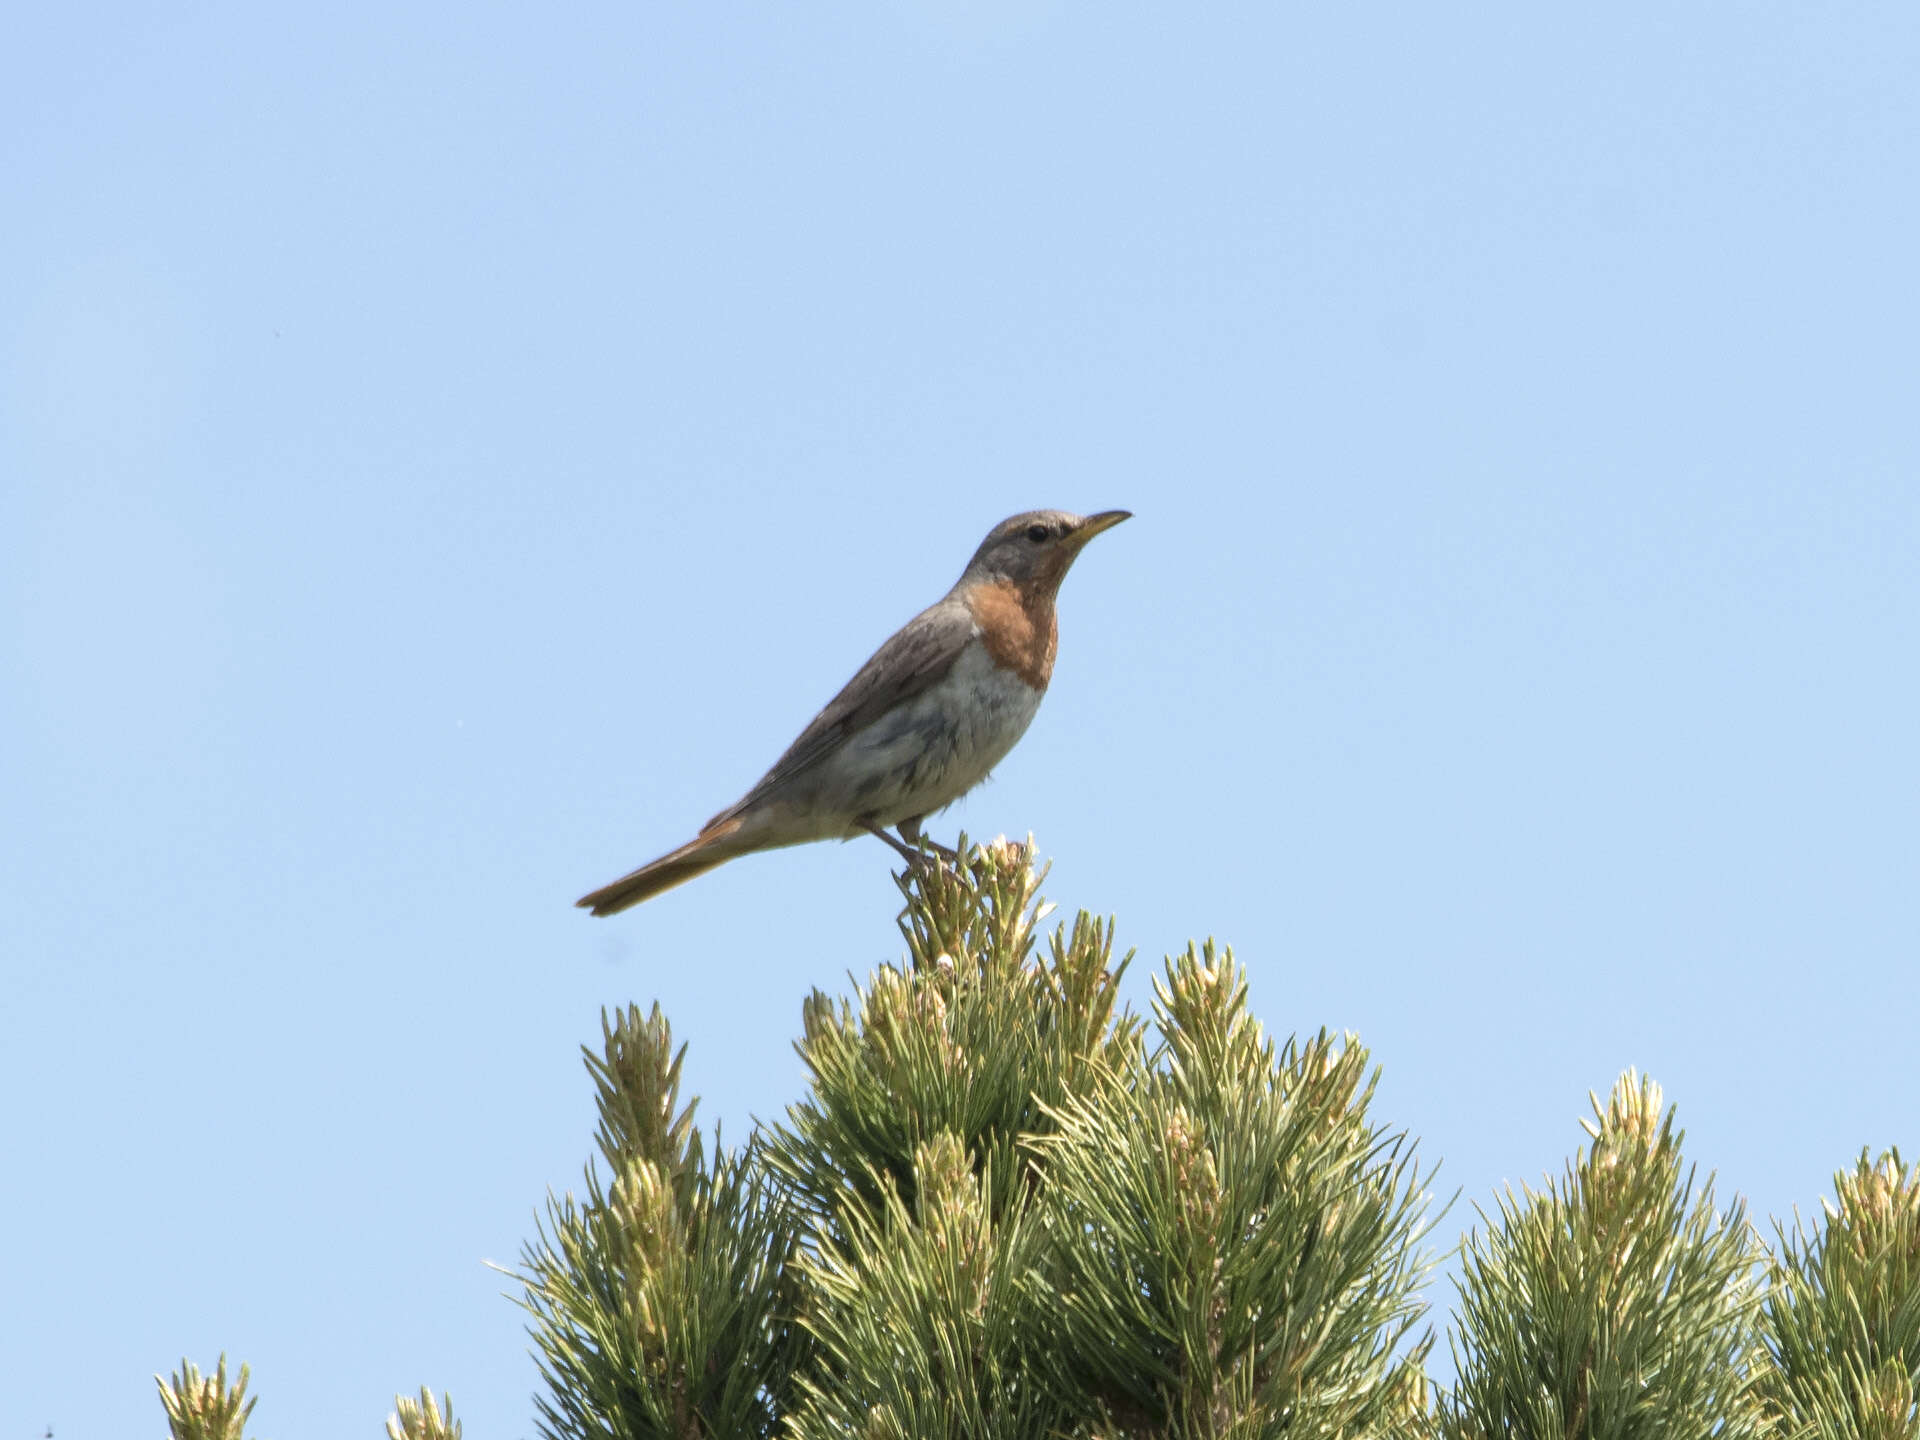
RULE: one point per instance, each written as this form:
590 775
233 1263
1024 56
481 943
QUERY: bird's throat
1018 628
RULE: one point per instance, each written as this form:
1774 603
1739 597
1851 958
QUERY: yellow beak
1094 524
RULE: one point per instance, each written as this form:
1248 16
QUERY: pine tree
663 1301
1005 1208
1618 1303
1843 1311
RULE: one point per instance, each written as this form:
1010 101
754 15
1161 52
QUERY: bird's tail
714 846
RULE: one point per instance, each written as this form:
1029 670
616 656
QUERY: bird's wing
918 655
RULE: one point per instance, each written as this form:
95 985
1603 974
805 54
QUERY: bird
922 722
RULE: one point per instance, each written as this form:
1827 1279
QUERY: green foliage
925 1326
1615 1304
1843 1311
662 1301
999 1211
1008 1207
423 1419
973 1037
205 1407
1236 1249
1028 1223
209 1407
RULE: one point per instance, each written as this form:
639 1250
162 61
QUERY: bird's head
1034 550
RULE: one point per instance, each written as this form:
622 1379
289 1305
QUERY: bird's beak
1094 524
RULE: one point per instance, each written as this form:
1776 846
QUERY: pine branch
662 1302
1617 1303
423 1419
205 1407
973 1036
1236 1249
924 1327
1842 1323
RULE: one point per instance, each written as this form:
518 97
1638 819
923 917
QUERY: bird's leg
910 832
906 853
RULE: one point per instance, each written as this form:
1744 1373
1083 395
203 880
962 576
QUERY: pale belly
920 757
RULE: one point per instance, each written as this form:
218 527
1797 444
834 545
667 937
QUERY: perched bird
923 722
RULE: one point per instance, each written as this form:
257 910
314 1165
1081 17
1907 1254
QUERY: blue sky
447 453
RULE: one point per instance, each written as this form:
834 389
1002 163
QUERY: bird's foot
911 833
909 853
913 847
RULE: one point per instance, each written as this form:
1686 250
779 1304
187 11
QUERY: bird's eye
1039 534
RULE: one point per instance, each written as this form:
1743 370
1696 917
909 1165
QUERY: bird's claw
919 851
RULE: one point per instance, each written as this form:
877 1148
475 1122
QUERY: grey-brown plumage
920 724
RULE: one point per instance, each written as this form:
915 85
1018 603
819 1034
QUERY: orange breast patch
1020 634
